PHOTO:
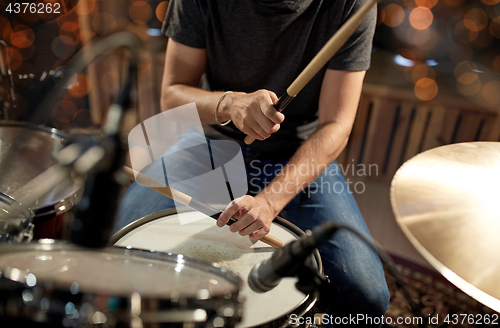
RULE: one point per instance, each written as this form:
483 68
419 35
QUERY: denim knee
371 301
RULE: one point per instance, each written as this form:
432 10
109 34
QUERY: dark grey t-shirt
265 44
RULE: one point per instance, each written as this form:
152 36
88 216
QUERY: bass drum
196 235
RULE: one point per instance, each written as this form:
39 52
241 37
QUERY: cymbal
447 202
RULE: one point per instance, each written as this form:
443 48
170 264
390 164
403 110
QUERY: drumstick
321 58
188 201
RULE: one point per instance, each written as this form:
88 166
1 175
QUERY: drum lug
28 234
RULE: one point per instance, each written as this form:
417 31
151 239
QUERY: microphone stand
95 214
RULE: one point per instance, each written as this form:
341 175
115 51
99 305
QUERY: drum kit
156 272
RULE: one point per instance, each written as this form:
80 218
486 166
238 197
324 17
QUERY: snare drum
26 151
203 240
54 284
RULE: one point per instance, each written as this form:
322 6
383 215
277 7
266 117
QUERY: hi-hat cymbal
447 202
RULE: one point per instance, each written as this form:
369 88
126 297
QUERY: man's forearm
206 101
310 160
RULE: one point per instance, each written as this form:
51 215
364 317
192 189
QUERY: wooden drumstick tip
249 140
272 241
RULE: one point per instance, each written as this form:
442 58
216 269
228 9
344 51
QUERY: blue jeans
352 266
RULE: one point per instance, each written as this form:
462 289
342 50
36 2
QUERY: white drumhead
203 240
115 273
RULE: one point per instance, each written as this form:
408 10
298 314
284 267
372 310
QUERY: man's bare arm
252 113
337 109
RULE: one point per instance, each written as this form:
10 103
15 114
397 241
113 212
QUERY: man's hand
254 216
252 113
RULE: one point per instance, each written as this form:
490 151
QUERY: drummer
255 48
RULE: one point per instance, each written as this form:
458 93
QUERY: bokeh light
423 39
394 15
490 2
140 12
85 7
421 71
476 20
70 26
469 89
81 87
13 57
103 22
64 111
495 27
22 36
426 89
426 3
6 31
491 92
84 36
466 72
161 10
421 18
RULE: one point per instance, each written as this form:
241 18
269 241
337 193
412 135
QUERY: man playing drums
254 48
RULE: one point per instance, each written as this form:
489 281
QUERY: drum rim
33 126
65 204
307 303
51 290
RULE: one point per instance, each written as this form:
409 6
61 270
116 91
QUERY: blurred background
434 80
431 50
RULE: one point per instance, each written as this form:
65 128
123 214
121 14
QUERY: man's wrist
273 206
222 108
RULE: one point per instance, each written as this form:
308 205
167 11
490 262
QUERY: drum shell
306 305
26 151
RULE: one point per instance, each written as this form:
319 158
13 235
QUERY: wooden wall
393 126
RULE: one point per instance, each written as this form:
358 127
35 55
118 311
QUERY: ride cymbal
447 202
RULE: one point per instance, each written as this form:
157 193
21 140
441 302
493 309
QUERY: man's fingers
246 220
230 211
274 97
259 234
255 131
270 111
253 227
267 125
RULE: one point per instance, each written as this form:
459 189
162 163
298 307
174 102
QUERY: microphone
286 261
